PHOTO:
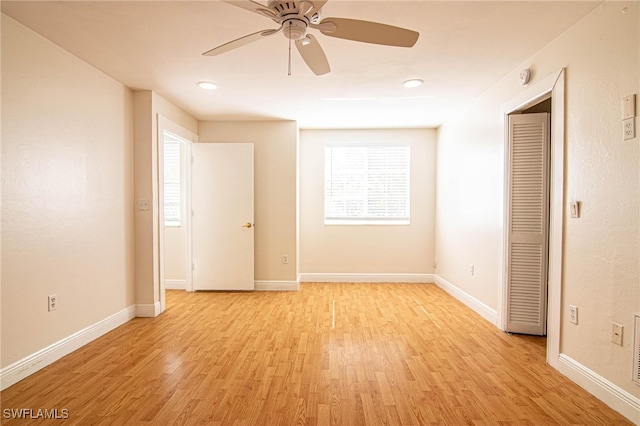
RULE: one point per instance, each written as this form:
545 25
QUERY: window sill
365 222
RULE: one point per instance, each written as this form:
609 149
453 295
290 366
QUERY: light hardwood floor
329 354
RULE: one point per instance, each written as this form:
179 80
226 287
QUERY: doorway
551 87
175 210
180 242
174 219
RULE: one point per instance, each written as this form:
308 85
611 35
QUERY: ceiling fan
295 17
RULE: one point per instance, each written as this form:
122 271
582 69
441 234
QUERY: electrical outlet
616 333
472 269
53 301
285 258
629 128
573 314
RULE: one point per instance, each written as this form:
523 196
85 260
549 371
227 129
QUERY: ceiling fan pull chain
289 52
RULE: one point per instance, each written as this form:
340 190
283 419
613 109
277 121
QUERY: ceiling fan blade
313 55
367 32
256 7
317 5
304 7
239 42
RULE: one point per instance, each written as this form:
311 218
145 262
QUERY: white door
528 223
222 227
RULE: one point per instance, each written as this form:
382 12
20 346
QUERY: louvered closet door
528 198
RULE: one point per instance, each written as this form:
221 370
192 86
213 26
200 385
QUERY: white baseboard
175 284
148 310
477 306
276 286
27 366
615 397
364 278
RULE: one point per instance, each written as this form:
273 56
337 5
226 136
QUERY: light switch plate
143 204
574 207
629 107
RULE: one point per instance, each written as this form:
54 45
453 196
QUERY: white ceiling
464 48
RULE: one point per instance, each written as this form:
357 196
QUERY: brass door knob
247 225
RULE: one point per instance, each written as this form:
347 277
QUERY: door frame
188 137
553 85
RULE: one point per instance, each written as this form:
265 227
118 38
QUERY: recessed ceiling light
349 99
408 98
207 85
412 83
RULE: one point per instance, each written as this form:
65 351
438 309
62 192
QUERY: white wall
367 249
67 212
275 151
601 249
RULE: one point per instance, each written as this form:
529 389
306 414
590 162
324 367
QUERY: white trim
367 222
635 373
364 278
276 286
298 198
477 306
615 397
552 84
187 137
556 220
175 284
44 357
188 261
148 310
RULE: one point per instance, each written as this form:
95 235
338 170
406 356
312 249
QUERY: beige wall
147 106
67 212
367 249
602 248
275 150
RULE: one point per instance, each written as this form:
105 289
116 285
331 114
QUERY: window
172 205
366 185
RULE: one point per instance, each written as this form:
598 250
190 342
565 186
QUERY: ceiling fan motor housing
294 28
283 8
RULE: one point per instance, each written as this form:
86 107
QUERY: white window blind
367 184
172 205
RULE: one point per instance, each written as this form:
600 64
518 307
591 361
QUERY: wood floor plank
328 354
